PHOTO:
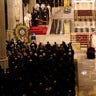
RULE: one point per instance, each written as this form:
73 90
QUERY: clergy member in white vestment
49 9
27 19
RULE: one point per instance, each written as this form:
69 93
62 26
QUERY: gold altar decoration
21 32
67 3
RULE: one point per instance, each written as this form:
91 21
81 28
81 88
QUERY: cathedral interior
47 48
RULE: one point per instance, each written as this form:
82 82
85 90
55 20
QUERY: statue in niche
67 6
27 19
17 10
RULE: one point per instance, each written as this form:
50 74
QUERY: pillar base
4 63
10 34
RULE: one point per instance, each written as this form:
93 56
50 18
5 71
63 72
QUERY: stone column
31 4
58 3
72 25
54 3
3 57
15 15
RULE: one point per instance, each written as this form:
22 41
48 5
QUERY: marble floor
53 38
86 74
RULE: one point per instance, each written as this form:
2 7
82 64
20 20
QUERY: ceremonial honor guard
35 17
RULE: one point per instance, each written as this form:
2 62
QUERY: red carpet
38 30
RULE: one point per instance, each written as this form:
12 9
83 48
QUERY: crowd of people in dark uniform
38 70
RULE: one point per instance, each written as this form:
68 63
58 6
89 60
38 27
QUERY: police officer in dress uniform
35 17
44 15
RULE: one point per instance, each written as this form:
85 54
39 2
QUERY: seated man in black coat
90 52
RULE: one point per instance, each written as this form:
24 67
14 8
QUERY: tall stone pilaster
15 15
3 57
31 4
